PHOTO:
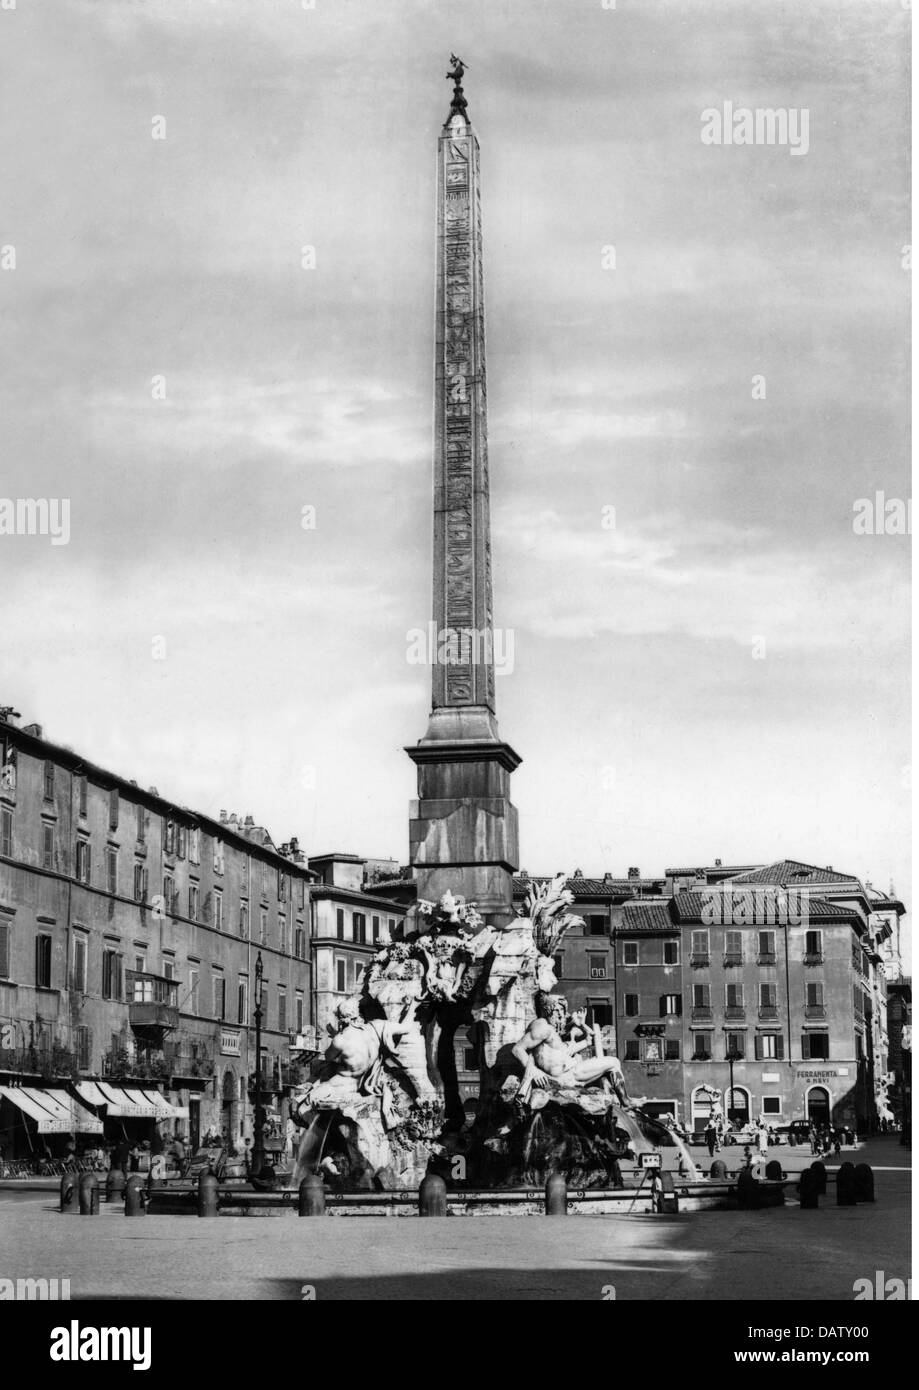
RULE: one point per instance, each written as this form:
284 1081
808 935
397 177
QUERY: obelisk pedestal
463 828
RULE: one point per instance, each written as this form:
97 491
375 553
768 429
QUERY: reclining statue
550 1062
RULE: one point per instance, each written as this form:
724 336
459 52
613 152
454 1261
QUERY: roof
337 858
650 917
353 895
591 887
710 869
792 873
688 907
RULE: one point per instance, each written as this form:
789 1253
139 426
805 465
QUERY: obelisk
463 828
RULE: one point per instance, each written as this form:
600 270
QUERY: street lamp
258 1144
732 1056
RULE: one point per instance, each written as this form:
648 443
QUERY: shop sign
229 1043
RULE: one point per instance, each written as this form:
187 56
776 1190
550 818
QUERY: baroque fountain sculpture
384 1108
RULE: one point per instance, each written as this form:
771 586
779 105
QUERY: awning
53 1111
127 1102
165 1110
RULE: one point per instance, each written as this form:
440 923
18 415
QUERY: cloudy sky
724 672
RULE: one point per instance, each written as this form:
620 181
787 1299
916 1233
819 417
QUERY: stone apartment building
130 928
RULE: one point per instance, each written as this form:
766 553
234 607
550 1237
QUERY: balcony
153 1003
768 1011
733 958
735 1011
118 1064
46 1062
701 1057
815 1011
188 1060
702 1011
766 958
700 959
813 957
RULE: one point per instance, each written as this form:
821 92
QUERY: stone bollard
432 1196
845 1185
864 1183
208 1195
89 1195
809 1190
774 1171
819 1171
114 1185
70 1205
719 1169
134 1196
312 1196
556 1195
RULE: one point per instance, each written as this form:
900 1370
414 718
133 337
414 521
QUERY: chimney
33 729
249 821
578 873
153 791
234 819
634 873
223 817
718 866
608 877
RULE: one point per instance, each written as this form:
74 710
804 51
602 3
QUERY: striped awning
54 1112
129 1102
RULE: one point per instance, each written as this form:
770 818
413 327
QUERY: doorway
818 1106
230 1109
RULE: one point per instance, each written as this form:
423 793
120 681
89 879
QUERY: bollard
556 1195
746 1188
115 1185
134 1196
864 1183
312 1196
432 1196
69 1196
809 1191
819 1171
774 1170
89 1195
845 1185
719 1169
208 1195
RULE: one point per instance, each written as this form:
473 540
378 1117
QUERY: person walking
711 1137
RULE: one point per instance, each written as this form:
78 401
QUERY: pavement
780 1253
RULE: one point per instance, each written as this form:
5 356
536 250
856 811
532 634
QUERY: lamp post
258 1144
732 1056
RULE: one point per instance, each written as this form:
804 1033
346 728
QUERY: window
631 1050
282 1011
772 1105
169 968
470 1062
220 996
360 928
815 1047
814 995
301 892
83 1040
767 948
265 881
357 971
218 856
141 825
733 996
813 946
182 841
242 1001
671 1004
768 996
194 979
702 1047
43 961
78 976
375 923
194 845
599 1013
140 883
630 953
392 928
596 967
596 926
84 794
282 891
702 996
168 893
671 953
244 920
169 837
218 911
112 974
340 976
48 782
631 1005
769 1047
4 950
193 902
84 861
111 869
262 927
113 809
6 832
140 961
300 944
672 1049
733 947
282 936
47 845
700 947
340 923
735 1045
298 1013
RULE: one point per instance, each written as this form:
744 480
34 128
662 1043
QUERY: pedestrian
711 1137
762 1139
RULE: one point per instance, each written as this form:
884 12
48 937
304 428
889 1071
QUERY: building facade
130 928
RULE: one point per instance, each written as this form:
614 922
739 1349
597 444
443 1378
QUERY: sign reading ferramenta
229 1043
823 1075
